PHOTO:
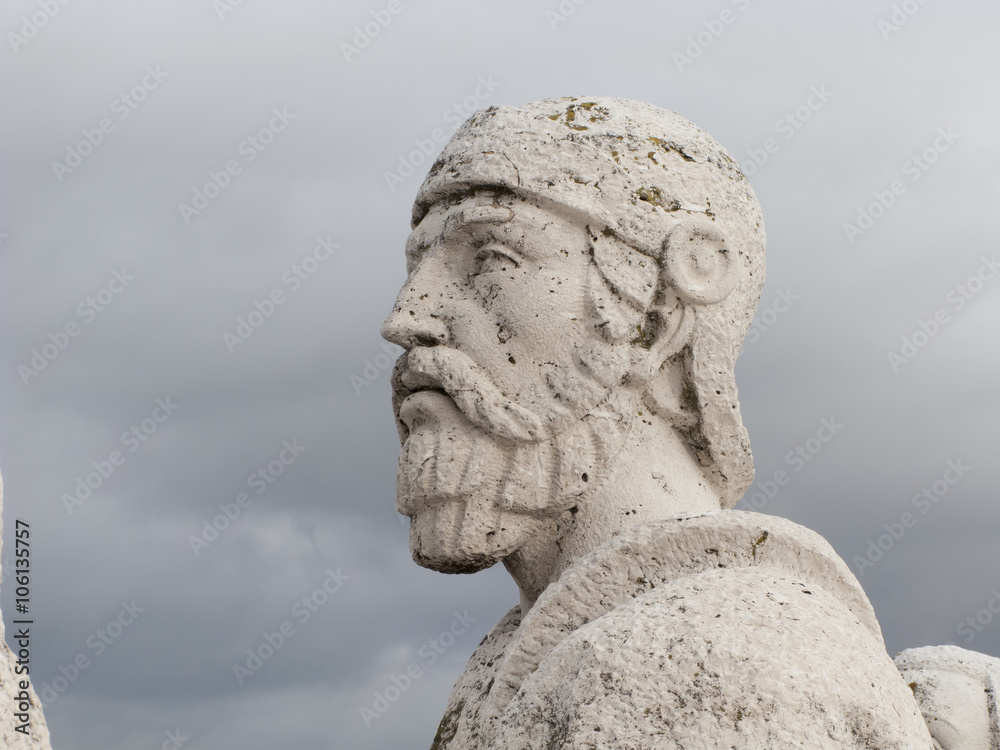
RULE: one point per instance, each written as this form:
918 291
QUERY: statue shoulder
744 658
958 692
460 725
742 628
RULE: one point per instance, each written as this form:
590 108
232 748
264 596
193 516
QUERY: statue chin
464 535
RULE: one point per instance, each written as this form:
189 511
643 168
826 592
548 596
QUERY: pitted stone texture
726 659
636 172
459 728
580 277
957 691
722 630
651 556
38 739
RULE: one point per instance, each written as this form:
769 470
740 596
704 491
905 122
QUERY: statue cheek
486 293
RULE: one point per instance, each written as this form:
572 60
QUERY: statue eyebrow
478 215
416 244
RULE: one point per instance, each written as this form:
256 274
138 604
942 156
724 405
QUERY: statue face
503 364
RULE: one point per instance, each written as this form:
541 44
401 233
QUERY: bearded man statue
582 273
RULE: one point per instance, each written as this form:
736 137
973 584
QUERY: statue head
582 273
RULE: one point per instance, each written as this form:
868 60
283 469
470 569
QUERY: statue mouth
418 403
415 393
453 373
411 382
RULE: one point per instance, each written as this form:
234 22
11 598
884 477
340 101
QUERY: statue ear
696 269
667 329
696 262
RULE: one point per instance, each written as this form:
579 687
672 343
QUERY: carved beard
478 474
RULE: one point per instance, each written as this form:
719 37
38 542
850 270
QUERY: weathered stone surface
959 695
723 630
581 275
12 694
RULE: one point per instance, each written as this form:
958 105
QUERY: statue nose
415 319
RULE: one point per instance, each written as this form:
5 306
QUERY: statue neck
654 476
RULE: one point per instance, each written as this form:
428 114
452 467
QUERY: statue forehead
626 164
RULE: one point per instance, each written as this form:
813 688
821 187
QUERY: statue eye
493 257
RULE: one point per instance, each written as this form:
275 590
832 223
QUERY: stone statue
22 725
582 273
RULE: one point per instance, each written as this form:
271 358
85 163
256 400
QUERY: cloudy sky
169 166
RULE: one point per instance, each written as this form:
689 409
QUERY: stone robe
724 630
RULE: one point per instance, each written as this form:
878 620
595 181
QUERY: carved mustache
456 374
